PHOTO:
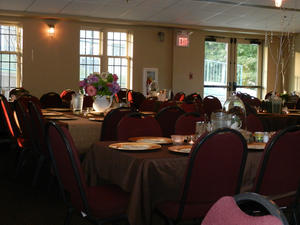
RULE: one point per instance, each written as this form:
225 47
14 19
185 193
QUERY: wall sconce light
51 30
161 36
278 3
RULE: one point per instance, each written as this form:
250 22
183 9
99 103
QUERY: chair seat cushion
191 210
107 201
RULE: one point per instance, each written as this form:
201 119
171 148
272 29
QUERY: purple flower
115 77
93 78
82 83
114 87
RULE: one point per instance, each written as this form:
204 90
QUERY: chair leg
38 169
69 216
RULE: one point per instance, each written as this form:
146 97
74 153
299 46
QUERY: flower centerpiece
101 86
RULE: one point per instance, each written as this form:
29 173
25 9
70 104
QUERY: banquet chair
110 123
253 123
148 105
278 175
194 97
186 123
167 117
211 104
137 125
38 125
51 100
25 126
137 99
26 98
189 107
66 97
15 93
215 169
106 203
227 211
180 96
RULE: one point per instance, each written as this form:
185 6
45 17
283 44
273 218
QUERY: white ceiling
246 14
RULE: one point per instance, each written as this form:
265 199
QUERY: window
11 42
116 56
90 52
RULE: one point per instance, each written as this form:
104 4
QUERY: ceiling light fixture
278 3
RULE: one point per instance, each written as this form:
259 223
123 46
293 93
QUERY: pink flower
115 77
91 90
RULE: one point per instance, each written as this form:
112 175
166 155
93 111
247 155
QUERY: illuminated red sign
182 40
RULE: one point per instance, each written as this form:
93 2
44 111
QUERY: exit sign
182 39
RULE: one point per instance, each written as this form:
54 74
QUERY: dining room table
151 176
85 129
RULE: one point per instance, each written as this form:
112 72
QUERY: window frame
19 57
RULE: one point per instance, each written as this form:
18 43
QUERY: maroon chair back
186 123
180 96
166 104
189 107
24 122
122 95
87 101
278 172
137 98
227 211
148 105
38 125
110 123
137 125
167 117
9 119
26 98
253 123
215 169
194 97
211 104
66 97
51 100
66 164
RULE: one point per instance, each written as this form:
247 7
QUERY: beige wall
52 64
189 61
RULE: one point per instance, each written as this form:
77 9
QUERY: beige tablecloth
150 177
84 132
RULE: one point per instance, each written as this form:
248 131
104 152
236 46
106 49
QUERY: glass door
216 67
232 65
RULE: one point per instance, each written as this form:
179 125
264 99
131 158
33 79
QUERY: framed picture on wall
150 76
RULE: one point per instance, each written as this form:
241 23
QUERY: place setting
134 146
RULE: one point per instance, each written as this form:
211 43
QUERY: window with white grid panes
90 52
119 54
11 42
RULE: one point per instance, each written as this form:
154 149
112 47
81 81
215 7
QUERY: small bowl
178 139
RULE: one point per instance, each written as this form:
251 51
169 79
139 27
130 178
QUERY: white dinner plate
59 109
134 146
153 140
52 114
61 118
180 148
98 119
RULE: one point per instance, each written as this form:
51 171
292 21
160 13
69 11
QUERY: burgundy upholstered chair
51 100
186 123
180 96
211 104
137 125
189 107
38 125
24 99
215 169
110 123
66 97
99 204
253 123
148 105
227 211
167 117
278 175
